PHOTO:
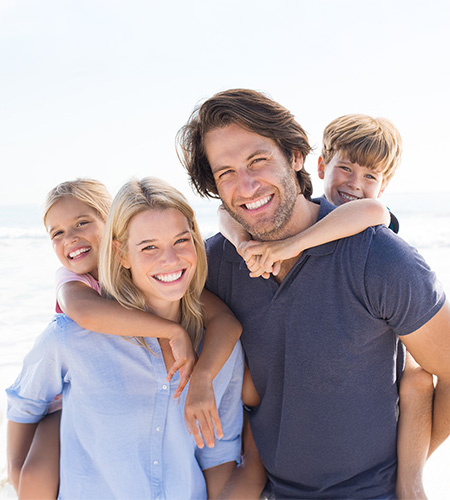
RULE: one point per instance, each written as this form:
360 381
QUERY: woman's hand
200 412
185 359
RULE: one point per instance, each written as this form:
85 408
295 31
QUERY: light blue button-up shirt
123 434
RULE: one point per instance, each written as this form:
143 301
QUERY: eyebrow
249 157
155 239
76 218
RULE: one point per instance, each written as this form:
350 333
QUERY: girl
74 215
123 435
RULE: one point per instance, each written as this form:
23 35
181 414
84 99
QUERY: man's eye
225 173
258 160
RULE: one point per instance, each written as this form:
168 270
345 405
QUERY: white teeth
257 204
168 278
348 196
78 252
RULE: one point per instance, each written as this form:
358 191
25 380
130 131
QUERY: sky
99 88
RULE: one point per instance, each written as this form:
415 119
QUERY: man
321 337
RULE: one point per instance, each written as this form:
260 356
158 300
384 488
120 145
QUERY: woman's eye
149 247
56 234
83 223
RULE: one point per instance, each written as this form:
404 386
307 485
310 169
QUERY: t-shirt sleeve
64 275
400 286
40 381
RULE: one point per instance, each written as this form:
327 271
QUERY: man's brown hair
250 110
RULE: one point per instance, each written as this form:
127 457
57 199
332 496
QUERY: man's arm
430 347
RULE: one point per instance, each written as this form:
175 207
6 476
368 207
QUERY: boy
360 155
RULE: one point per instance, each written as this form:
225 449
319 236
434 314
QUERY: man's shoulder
219 248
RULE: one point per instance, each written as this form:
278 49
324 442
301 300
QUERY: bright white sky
99 88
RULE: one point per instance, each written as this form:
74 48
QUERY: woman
122 433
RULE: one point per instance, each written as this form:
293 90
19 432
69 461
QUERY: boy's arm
230 228
346 220
96 313
222 332
19 439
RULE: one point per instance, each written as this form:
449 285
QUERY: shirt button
158 429
164 386
155 462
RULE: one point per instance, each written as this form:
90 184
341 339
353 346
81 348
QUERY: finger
174 368
217 423
276 268
206 428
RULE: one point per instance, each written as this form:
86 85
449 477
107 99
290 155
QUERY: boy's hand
185 359
200 413
264 258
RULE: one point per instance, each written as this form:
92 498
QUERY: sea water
28 264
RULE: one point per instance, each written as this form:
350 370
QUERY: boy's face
345 181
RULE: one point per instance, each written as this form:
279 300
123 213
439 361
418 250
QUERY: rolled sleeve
228 389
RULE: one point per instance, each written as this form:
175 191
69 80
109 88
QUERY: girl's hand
200 412
185 359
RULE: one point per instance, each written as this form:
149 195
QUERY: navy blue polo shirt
322 350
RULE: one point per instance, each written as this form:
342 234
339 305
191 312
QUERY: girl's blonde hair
88 191
133 198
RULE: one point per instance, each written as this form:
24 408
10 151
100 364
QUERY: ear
383 187
321 168
121 255
297 160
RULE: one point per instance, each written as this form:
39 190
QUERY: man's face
256 183
346 181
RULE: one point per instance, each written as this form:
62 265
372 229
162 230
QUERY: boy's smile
345 181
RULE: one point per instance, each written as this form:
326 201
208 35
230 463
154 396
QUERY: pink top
63 276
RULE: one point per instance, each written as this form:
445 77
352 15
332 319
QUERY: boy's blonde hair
116 282
88 191
371 142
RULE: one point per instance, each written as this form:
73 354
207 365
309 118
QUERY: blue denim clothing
122 433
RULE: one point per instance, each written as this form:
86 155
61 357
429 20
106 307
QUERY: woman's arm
346 220
222 332
96 313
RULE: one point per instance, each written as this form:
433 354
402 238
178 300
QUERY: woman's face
161 256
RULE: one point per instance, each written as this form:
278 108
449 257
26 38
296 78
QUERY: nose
353 181
70 237
169 256
247 183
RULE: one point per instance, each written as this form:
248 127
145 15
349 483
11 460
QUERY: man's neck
305 214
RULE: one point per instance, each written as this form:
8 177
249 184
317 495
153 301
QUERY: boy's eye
343 167
370 176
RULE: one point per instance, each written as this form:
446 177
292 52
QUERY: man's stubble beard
280 219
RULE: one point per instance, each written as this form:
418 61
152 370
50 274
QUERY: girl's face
161 257
76 231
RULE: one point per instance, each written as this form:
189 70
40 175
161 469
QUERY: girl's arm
346 220
92 311
19 439
222 332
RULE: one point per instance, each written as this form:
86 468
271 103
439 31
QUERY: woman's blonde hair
88 191
134 197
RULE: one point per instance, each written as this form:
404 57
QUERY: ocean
27 267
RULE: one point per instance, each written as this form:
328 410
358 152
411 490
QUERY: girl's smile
76 231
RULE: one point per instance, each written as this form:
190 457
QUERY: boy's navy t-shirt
322 351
